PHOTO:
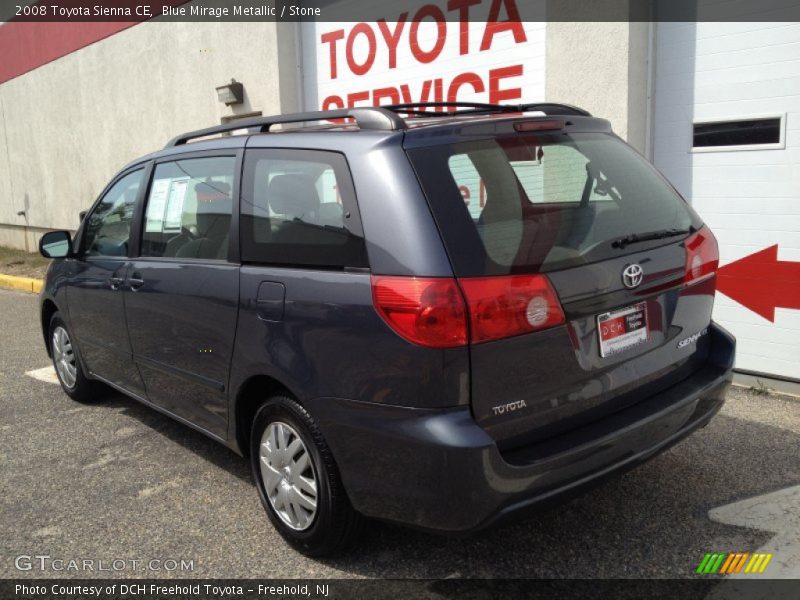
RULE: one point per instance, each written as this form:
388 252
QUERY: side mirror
82 215
55 244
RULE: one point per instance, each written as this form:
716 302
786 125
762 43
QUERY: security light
233 93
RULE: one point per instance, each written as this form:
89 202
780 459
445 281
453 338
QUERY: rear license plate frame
622 329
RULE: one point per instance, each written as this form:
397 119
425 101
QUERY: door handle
135 281
115 282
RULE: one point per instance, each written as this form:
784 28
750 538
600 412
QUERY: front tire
68 366
298 480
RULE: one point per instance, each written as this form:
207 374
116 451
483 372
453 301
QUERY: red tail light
502 307
702 256
425 311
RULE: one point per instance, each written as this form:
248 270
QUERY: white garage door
417 55
727 134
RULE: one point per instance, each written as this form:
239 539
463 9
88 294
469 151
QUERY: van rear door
588 280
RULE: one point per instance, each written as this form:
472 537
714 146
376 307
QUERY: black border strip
370 10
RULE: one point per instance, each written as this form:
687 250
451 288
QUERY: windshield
528 203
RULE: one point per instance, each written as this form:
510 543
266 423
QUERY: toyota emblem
632 276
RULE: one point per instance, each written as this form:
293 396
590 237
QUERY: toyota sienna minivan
437 315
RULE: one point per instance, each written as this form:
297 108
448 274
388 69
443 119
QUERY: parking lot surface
119 481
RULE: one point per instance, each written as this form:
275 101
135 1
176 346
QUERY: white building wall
750 198
63 129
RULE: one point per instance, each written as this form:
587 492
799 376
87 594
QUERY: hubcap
288 475
64 357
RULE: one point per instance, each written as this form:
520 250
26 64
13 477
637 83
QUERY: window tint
108 228
188 211
746 132
298 208
565 181
533 203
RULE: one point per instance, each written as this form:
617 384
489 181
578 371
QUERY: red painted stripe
27 43
27 46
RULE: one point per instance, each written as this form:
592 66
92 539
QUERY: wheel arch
250 395
49 308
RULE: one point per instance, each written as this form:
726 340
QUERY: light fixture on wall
233 93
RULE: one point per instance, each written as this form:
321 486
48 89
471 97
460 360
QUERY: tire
67 364
332 525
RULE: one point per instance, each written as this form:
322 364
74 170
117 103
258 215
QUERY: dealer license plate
622 329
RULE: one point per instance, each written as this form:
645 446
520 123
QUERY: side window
299 208
188 212
108 227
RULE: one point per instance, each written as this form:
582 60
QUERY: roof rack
383 118
479 108
366 118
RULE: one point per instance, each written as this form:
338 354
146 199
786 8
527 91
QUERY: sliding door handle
135 281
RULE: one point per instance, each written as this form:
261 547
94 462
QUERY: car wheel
67 364
298 480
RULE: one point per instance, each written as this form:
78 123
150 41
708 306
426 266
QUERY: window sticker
173 214
156 205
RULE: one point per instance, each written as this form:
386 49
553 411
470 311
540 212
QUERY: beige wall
604 68
67 127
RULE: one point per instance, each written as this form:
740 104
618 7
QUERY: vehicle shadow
206 448
649 522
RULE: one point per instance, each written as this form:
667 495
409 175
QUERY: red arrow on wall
761 282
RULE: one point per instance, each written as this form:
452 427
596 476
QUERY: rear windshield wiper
635 238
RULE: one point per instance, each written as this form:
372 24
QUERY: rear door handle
135 281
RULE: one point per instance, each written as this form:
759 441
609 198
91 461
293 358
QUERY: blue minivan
438 315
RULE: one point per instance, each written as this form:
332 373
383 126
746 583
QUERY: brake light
425 311
538 125
702 256
502 307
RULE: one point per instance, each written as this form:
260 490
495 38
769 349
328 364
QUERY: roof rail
366 118
479 108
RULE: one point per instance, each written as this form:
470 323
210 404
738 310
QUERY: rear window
530 203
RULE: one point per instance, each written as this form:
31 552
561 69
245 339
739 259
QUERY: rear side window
530 203
188 213
299 209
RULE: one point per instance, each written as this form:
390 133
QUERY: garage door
420 54
727 134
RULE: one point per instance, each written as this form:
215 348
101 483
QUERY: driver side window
108 228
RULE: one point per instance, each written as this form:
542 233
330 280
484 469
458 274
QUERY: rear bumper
438 470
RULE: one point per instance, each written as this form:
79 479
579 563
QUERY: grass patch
23 264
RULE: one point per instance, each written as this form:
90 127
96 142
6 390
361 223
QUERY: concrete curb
23 284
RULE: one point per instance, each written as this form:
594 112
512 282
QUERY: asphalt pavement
118 481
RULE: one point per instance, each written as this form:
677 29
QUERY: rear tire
298 480
67 364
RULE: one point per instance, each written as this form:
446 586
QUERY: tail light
431 311
502 307
425 311
702 256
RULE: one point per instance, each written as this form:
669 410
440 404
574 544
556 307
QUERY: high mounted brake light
523 126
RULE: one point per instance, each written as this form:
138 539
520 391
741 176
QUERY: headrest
292 195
